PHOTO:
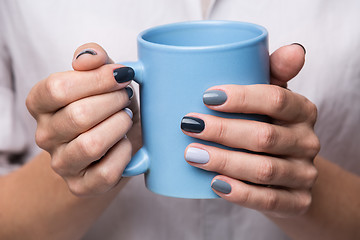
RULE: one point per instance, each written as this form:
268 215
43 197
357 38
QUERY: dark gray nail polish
86 51
214 97
300 46
221 186
130 92
124 74
191 124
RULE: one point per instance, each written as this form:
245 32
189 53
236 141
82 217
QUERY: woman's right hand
82 123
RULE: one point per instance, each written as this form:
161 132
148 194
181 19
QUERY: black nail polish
300 46
191 124
86 51
130 92
124 74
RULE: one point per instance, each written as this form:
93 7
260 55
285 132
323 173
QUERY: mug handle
140 162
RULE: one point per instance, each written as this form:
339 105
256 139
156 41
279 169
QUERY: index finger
270 100
61 89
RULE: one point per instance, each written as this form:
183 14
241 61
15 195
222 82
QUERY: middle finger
251 135
80 116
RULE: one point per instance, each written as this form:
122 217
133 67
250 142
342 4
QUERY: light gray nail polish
129 112
221 186
214 97
197 155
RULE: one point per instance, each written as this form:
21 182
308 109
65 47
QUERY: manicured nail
214 97
123 74
197 155
221 186
129 91
191 124
129 112
300 46
86 51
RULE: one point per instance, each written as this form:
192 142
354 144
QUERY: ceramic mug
177 63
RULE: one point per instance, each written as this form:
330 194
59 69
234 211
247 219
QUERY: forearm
35 203
335 209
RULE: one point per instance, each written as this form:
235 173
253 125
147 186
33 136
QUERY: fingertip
90 56
300 45
129 112
287 61
221 185
214 97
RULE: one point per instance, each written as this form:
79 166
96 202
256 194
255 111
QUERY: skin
307 199
71 108
80 119
72 186
289 142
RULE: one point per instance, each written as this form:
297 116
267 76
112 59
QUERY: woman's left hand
281 168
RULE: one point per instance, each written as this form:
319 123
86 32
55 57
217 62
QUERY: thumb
286 63
90 56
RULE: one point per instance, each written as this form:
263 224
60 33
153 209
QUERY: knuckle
76 187
313 112
58 165
42 137
92 147
30 103
266 172
266 137
304 203
271 201
244 198
223 162
313 144
79 115
108 177
56 87
278 99
98 76
241 96
312 175
221 130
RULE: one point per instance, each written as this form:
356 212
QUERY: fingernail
300 46
123 74
214 97
129 112
221 186
191 124
86 51
197 155
129 91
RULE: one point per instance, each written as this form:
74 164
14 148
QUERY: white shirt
39 39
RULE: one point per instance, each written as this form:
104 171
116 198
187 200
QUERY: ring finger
70 159
260 169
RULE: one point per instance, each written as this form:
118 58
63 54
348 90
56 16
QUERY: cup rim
158 46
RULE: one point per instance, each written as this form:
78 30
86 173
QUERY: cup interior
203 33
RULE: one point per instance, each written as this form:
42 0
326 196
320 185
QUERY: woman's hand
82 120
282 165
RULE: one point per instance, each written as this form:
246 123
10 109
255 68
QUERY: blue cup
177 64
